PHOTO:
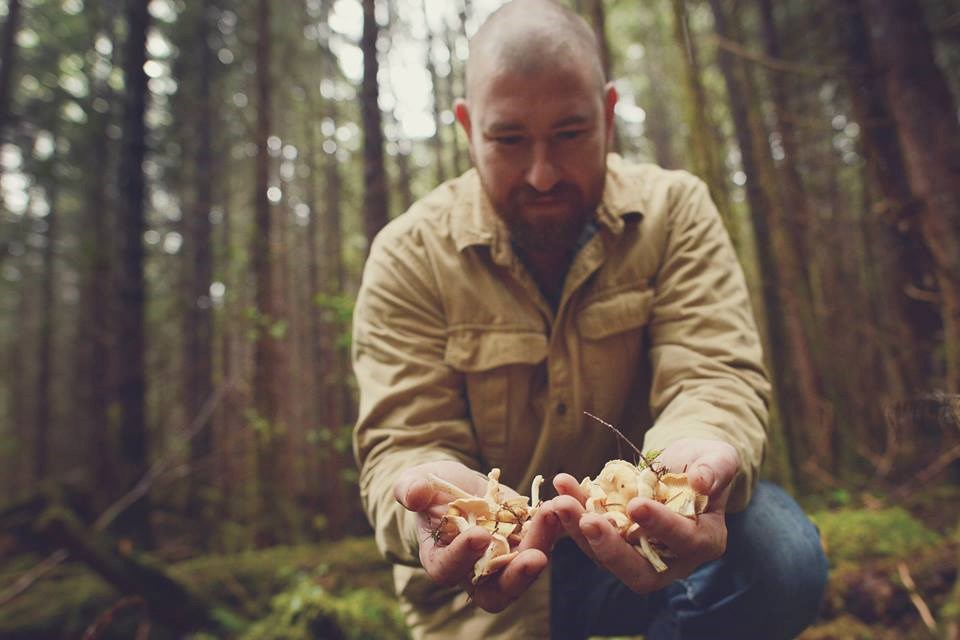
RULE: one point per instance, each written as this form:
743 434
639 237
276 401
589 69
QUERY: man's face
539 143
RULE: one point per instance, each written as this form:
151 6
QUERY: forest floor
893 575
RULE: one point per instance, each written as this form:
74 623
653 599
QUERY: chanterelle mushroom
506 519
620 481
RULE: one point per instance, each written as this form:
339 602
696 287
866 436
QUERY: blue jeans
768 585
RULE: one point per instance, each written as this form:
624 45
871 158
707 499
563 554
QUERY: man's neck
549 270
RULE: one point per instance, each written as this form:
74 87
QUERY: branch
776 64
159 468
915 597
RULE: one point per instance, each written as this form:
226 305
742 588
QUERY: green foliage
308 610
856 535
338 311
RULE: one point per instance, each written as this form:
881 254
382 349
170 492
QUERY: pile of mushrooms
507 519
621 481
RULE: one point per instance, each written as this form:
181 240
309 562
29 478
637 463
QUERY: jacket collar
474 221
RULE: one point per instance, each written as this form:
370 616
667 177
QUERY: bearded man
552 279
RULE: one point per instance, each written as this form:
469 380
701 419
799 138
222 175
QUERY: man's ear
462 113
609 104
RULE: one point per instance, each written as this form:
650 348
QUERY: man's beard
552 231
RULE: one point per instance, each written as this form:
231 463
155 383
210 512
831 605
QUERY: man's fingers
680 534
499 591
567 485
545 529
606 545
453 563
414 493
569 510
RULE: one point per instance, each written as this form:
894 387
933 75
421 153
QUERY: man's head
539 117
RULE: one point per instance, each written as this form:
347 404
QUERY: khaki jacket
459 356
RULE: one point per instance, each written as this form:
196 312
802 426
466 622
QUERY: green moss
307 610
845 628
855 535
245 586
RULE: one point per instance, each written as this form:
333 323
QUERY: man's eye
508 140
569 135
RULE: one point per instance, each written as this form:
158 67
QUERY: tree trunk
131 224
8 49
198 320
702 141
375 209
786 296
901 260
598 21
48 311
436 97
929 134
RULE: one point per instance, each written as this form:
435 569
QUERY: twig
930 472
775 64
25 581
103 621
159 468
915 598
615 430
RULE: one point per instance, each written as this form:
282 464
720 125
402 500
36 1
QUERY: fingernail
706 476
641 515
478 544
564 517
591 532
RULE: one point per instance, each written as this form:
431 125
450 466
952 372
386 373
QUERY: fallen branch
159 468
106 618
915 597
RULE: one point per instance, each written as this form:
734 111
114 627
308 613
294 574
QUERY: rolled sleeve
412 406
709 380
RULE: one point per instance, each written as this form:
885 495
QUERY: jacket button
561 408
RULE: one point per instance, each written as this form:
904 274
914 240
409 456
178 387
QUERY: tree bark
786 296
131 224
269 376
198 321
436 142
702 141
929 135
375 208
899 256
48 310
8 49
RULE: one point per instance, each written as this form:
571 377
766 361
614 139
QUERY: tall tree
436 98
8 49
198 336
375 206
901 258
929 134
131 342
44 399
786 296
702 142
268 375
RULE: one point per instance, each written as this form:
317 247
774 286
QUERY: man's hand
711 467
453 563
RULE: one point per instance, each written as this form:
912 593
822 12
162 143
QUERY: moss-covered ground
344 589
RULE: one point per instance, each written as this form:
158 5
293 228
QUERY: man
551 280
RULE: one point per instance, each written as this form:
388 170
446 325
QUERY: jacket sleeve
412 405
709 380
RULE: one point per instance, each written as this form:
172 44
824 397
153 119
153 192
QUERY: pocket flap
616 314
480 350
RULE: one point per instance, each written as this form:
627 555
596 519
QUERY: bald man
553 279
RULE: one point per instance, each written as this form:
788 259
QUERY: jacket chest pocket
499 368
612 336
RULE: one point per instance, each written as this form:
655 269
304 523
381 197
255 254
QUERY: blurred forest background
188 191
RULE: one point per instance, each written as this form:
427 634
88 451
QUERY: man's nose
542 173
